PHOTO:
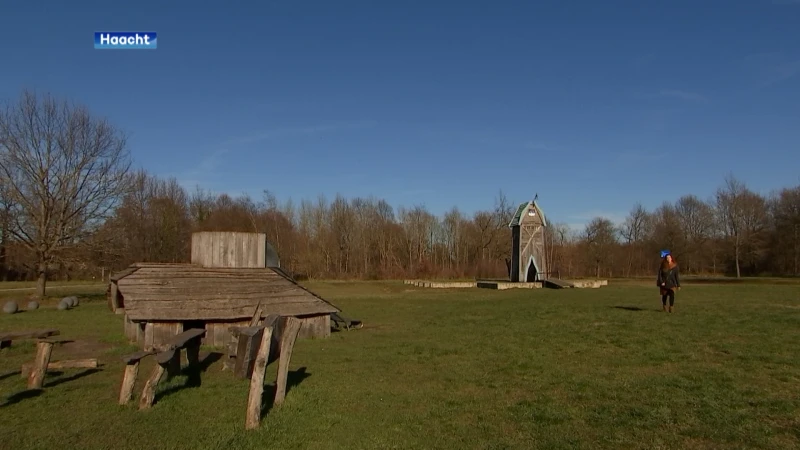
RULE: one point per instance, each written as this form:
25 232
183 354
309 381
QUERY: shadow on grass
9 375
631 308
293 378
77 376
20 396
192 375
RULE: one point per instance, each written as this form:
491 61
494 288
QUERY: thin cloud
588 216
301 131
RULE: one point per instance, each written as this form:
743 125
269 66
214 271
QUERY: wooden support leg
193 353
174 365
287 345
128 381
149 391
257 381
43 351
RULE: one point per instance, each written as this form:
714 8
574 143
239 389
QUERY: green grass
460 368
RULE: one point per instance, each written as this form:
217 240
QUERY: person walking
668 280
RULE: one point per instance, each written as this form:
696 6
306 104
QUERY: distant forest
71 206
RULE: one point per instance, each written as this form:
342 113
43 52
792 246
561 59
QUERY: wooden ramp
555 283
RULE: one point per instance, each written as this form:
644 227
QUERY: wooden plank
181 340
43 351
289 337
246 351
29 334
253 417
136 357
318 326
148 336
232 311
64 364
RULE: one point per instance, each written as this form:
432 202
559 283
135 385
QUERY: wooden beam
253 418
43 351
288 339
64 364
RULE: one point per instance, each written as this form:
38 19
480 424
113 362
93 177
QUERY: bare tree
67 171
731 215
633 232
600 236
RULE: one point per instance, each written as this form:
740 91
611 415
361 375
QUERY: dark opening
190 324
531 276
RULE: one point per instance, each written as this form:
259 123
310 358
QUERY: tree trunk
41 281
736 257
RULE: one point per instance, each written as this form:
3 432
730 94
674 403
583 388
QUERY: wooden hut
230 275
528 252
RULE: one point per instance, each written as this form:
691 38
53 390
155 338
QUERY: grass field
462 368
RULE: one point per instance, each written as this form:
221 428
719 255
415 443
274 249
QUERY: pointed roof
523 209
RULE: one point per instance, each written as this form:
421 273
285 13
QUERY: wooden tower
528 256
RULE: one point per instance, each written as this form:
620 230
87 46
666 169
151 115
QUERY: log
43 351
246 351
149 391
288 339
64 364
257 380
128 382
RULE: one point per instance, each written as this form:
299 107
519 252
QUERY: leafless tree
67 171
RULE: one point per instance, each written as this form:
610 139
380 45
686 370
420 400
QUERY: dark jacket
669 277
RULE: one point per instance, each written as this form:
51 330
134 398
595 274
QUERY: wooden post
288 339
257 380
149 391
129 378
128 381
193 352
43 351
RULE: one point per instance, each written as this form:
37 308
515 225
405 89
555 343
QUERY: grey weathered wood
246 350
253 417
149 390
257 315
7 337
63 364
128 382
136 357
229 249
43 351
288 339
188 292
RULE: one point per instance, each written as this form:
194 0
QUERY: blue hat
664 253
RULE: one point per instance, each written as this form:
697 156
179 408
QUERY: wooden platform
442 284
555 283
494 284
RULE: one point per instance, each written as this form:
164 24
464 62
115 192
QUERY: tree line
73 206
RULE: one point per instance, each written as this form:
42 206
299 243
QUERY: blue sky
595 105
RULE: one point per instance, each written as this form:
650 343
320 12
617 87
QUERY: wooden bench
7 338
35 372
168 360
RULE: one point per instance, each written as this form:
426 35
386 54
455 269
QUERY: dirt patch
81 349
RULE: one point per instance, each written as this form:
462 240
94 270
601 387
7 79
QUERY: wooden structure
36 371
528 251
168 360
229 277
